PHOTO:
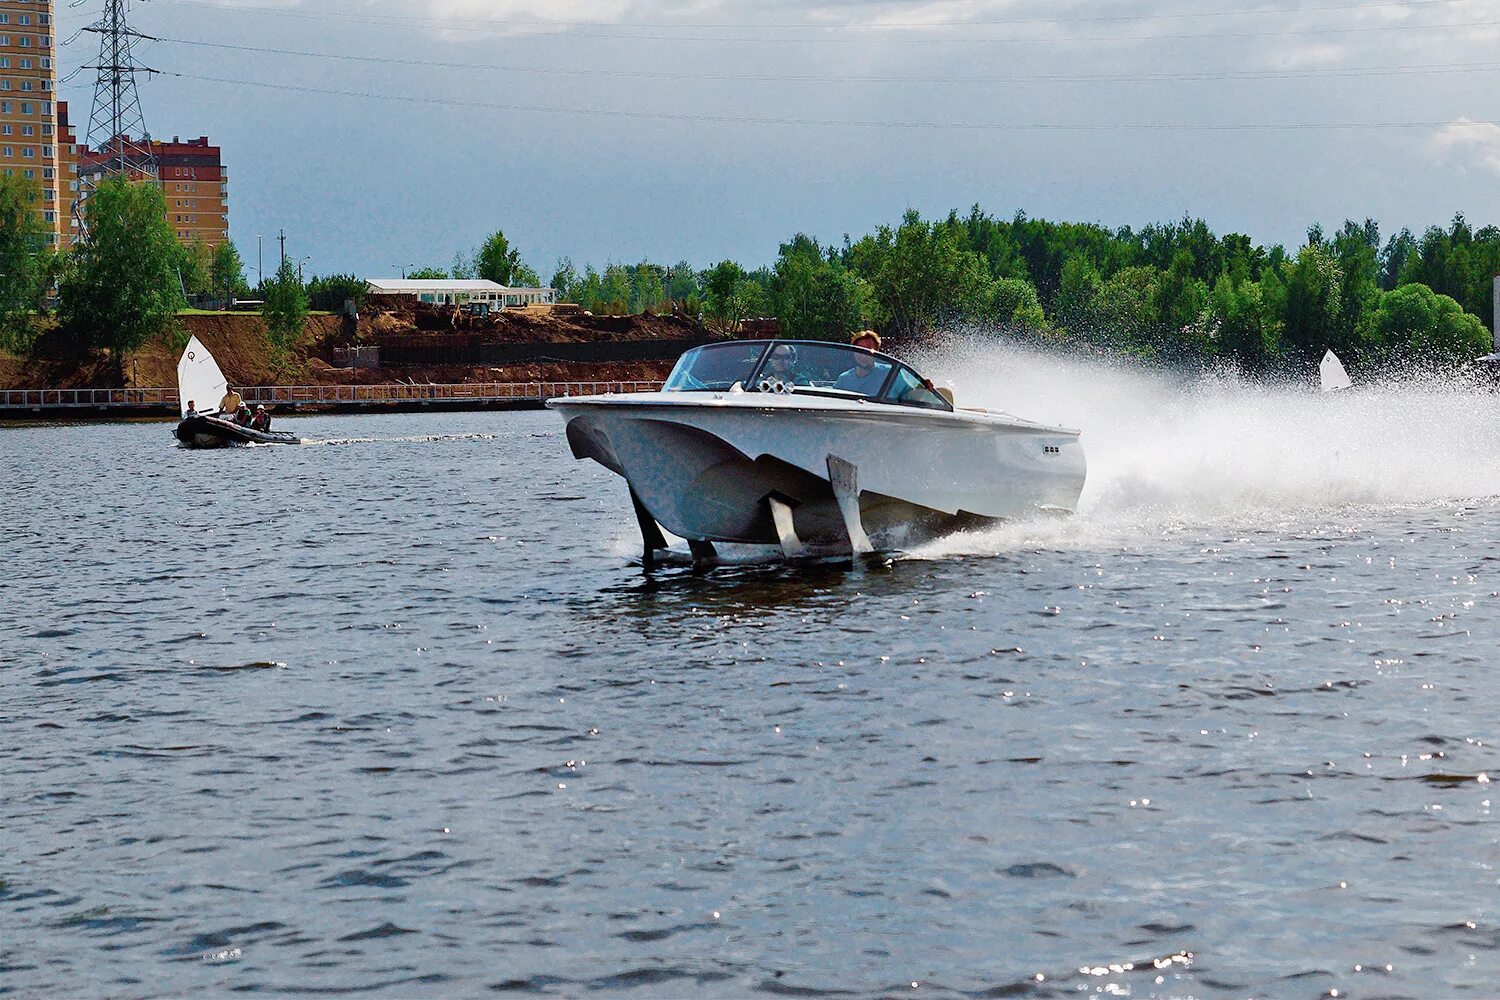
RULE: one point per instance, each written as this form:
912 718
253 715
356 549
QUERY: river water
396 716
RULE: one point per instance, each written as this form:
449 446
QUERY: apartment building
196 184
68 188
28 119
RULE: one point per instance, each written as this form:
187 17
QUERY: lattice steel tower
117 128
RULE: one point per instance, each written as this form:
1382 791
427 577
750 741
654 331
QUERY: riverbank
389 345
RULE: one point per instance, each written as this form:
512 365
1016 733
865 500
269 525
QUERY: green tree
227 272
1128 318
524 277
496 260
921 275
23 239
1248 328
814 295
682 282
1077 307
589 292
729 297
428 274
1181 297
1357 249
647 290
614 291
1415 322
1014 302
1314 306
565 279
194 267
122 289
285 308
329 292
462 267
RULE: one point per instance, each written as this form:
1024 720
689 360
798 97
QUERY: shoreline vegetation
1174 294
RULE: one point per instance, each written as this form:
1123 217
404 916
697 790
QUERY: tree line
1170 292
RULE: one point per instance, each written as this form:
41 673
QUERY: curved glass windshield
910 389
797 365
715 367
824 366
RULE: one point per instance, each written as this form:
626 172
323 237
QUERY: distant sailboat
199 379
1332 372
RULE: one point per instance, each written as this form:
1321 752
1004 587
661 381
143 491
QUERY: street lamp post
304 260
260 264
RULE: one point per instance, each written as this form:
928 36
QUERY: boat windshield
840 367
715 367
793 365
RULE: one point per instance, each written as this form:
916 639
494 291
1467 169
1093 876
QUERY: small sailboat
1332 373
200 380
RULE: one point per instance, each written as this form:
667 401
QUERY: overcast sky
706 129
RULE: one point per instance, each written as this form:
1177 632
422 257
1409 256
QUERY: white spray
1167 449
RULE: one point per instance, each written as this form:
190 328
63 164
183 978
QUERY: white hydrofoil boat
814 445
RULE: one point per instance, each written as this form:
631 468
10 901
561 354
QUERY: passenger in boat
869 372
243 416
230 404
192 411
783 364
262 420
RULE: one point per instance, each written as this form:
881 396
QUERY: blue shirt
865 385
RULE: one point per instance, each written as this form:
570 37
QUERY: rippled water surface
397 716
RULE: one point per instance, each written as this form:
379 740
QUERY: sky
383 134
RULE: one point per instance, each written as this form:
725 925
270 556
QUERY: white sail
199 379
1333 374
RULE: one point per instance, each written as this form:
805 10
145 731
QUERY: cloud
1465 142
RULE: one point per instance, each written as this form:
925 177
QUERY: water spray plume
1167 448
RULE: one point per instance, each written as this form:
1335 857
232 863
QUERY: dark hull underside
212 432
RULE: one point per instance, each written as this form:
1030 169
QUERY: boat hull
212 432
705 466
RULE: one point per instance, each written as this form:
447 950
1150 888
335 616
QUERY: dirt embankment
244 353
386 316
240 346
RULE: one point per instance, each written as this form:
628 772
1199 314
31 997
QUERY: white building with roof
452 292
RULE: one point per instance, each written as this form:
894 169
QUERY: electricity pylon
117 127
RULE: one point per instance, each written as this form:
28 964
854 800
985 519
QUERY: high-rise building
67 176
28 88
192 177
196 184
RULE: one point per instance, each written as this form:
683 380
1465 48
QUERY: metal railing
318 395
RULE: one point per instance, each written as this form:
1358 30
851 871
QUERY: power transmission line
853 123
1313 73
116 119
516 29
841 25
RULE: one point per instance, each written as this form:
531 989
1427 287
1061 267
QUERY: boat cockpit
805 367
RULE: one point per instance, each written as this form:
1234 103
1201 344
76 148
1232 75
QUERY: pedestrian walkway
397 397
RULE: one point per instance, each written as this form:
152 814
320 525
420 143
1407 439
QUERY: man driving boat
783 364
868 374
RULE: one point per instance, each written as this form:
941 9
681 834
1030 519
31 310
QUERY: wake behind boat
200 380
810 444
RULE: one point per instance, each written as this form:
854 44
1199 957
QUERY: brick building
67 175
196 184
38 140
28 88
